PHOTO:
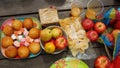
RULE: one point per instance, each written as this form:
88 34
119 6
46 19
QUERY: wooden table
28 8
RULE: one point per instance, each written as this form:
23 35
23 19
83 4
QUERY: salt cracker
48 15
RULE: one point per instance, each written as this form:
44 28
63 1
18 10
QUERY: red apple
92 35
117 15
117 62
111 65
52 40
102 62
99 27
87 24
112 22
61 42
117 25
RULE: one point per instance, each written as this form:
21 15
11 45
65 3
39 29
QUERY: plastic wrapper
105 40
116 46
77 40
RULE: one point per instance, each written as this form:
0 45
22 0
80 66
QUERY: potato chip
77 40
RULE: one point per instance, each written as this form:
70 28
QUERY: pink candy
23 37
27 44
25 33
22 43
28 39
16 43
37 40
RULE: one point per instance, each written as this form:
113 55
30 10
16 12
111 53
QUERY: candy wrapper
104 39
109 15
116 45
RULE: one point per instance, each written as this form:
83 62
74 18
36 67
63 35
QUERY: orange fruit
91 14
75 11
49 47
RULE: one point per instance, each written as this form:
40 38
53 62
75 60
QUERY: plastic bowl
80 5
64 34
95 5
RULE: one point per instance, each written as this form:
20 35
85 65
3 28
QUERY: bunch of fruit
93 28
104 62
53 39
20 38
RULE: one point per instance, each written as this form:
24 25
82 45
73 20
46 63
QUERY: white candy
13 36
25 29
20 37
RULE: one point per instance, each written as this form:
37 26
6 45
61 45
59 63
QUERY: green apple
45 34
56 32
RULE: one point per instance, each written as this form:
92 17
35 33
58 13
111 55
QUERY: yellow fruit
75 11
45 34
28 23
17 24
6 41
34 47
8 30
91 14
49 47
34 33
56 32
23 52
11 52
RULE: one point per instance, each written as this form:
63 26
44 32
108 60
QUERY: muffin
17 24
28 23
8 30
6 41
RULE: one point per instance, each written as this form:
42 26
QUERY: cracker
48 15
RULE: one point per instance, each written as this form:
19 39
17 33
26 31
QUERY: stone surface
9 7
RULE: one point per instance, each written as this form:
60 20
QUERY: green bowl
69 62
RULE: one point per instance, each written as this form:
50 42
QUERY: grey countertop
9 7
